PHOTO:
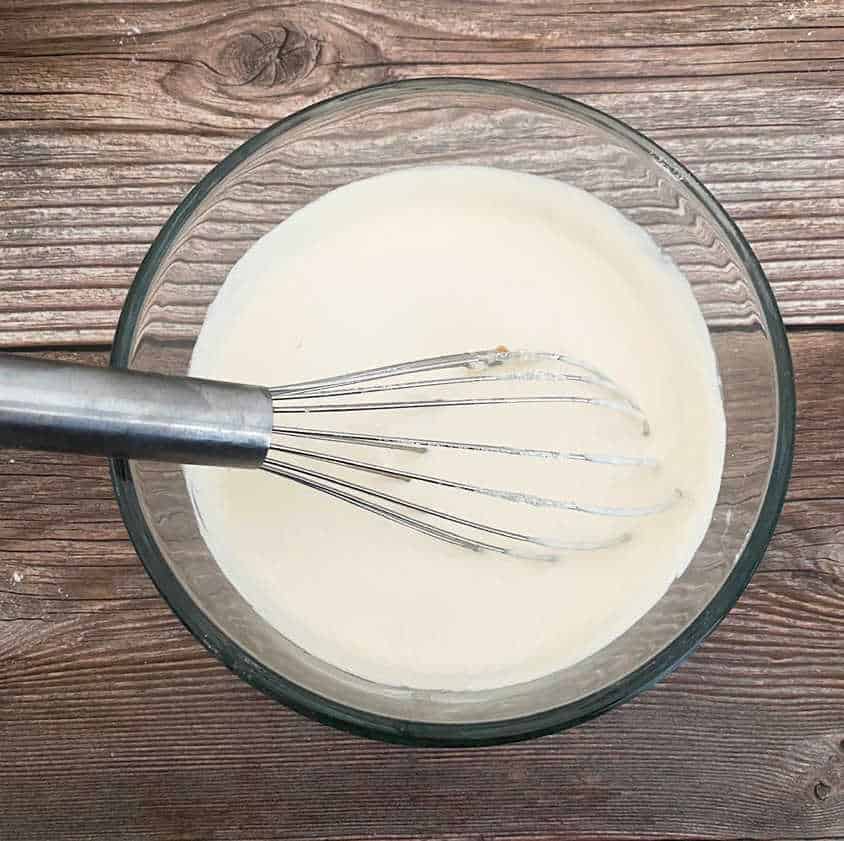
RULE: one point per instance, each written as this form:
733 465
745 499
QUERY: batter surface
439 260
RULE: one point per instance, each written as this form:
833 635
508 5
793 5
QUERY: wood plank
111 111
115 723
818 472
120 726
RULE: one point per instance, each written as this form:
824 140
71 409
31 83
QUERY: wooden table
114 722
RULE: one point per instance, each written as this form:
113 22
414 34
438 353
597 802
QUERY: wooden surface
114 722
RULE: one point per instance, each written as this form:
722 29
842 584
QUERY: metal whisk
71 408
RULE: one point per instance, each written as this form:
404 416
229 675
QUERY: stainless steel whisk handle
63 407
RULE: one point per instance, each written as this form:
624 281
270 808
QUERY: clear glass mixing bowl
468 122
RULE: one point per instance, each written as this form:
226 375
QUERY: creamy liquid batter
438 260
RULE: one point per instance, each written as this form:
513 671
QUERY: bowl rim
558 718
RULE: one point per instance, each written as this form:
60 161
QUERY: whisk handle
63 407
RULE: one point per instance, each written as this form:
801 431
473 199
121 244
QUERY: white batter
439 260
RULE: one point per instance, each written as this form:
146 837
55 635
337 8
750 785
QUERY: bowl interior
461 122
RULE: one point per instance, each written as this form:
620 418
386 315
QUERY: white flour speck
17 577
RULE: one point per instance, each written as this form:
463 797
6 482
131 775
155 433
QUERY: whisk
66 407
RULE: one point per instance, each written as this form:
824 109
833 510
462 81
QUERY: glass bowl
463 121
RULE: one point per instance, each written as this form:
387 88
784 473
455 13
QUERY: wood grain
115 723
111 111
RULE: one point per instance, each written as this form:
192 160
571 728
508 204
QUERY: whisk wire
317 481
472 360
497 493
353 392
422 444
